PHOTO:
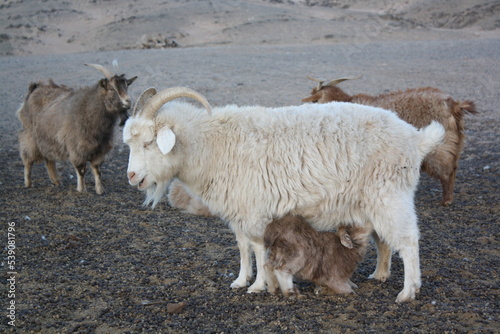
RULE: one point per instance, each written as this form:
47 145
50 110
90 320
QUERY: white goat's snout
130 176
135 179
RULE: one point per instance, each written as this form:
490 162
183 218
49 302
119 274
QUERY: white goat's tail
430 137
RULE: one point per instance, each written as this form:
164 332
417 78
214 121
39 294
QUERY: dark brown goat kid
61 123
327 259
418 106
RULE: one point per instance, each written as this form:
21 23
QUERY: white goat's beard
155 193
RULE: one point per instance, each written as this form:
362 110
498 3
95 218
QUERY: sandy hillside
51 27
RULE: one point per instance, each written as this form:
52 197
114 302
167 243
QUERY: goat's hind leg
448 185
28 166
52 171
410 256
397 226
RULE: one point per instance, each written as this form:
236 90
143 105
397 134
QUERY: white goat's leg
260 260
411 262
246 271
52 171
397 226
99 189
80 175
384 254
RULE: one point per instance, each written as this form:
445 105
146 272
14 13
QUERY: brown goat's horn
155 103
143 98
335 82
107 74
319 81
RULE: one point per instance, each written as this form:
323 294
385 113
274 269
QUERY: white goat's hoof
406 295
256 288
238 284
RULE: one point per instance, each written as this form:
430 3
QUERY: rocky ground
104 264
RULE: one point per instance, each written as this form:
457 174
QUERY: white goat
419 107
329 163
62 123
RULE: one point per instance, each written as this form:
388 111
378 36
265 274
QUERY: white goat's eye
148 143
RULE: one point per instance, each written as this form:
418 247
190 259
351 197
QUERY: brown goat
62 123
327 259
179 196
418 106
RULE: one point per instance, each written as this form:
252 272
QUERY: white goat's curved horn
107 74
155 103
335 82
143 98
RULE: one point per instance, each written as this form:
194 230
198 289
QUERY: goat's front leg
99 189
260 260
384 254
288 289
80 174
245 262
272 281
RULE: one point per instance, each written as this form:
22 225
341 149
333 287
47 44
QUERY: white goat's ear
165 139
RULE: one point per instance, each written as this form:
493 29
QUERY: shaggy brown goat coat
418 106
327 259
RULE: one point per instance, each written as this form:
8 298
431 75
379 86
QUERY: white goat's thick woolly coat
330 163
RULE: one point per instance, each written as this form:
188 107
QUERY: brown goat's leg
99 189
27 173
272 281
448 186
341 288
80 174
52 171
384 254
286 283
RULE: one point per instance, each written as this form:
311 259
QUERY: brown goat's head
328 92
115 91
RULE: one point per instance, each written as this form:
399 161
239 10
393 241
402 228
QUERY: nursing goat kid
62 123
327 259
419 107
329 163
